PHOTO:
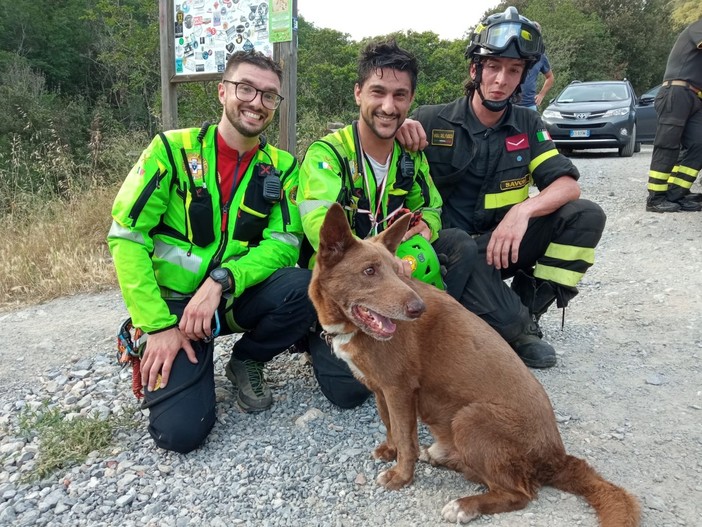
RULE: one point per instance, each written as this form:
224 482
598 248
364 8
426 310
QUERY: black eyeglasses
247 93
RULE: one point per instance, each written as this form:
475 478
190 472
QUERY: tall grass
55 214
56 248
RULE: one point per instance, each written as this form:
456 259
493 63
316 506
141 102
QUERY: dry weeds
58 249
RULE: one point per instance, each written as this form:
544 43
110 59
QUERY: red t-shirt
230 169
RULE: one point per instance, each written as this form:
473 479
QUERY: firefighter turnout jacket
505 160
482 172
170 230
330 173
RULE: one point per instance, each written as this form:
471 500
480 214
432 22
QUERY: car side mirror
646 101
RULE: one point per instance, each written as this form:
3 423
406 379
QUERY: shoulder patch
517 142
442 137
542 136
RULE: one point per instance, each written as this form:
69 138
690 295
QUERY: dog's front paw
393 479
424 454
452 512
384 452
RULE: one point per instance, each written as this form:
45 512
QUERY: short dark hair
255 58
386 54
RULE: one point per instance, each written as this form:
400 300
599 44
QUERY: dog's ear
392 236
335 237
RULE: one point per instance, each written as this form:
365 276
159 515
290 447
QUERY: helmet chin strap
493 106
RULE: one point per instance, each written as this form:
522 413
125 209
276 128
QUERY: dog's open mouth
375 324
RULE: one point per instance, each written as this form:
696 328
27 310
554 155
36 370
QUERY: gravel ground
626 391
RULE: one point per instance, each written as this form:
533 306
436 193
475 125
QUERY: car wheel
628 149
637 147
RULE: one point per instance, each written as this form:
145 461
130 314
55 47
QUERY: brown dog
425 356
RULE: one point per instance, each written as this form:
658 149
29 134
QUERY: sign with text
280 26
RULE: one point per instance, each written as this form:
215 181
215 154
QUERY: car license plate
580 133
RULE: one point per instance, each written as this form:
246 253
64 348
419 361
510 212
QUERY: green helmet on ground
422 257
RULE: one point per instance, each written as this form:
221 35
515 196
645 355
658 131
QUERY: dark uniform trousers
272 316
679 124
578 223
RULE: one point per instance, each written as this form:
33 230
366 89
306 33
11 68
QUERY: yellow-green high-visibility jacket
167 232
329 173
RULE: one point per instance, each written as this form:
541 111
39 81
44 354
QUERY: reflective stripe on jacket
167 232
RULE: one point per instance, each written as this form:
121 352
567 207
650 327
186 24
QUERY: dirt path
627 388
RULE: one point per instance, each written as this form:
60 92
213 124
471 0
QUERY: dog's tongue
383 324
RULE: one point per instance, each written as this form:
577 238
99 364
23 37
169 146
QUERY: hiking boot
694 196
533 351
662 206
253 394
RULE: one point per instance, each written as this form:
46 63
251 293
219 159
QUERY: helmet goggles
498 37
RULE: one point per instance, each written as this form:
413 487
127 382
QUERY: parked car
646 116
599 114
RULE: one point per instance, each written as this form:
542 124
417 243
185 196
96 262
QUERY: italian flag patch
542 135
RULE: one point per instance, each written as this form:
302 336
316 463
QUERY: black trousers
272 315
579 223
677 147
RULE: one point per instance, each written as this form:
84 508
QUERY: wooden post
286 53
169 96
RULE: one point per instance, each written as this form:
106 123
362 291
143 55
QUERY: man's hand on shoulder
412 136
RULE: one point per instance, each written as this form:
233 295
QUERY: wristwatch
223 278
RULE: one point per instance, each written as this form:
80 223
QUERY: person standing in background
679 110
531 99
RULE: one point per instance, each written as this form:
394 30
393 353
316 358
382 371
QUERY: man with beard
205 237
366 170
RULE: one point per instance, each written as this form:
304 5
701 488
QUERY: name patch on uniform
512 184
442 137
517 142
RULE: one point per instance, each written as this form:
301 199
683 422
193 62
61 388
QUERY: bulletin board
207 32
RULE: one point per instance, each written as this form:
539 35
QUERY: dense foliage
80 79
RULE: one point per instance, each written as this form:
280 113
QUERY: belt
685 84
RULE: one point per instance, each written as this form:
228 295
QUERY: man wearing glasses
205 238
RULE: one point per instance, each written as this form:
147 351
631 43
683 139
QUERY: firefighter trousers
559 248
677 147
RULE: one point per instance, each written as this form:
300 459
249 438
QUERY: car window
594 93
651 94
